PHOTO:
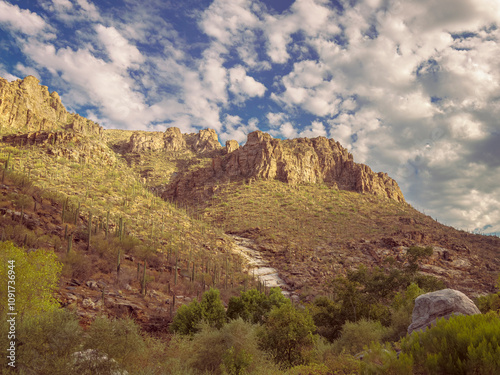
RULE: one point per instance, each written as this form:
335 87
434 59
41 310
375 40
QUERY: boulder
440 304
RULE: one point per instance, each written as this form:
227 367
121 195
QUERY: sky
409 87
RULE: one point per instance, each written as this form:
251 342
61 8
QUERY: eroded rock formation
302 160
173 140
26 106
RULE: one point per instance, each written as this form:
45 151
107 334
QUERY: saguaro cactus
89 230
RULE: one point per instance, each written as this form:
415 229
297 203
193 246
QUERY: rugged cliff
26 106
302 160
173 140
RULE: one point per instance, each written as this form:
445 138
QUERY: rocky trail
259 268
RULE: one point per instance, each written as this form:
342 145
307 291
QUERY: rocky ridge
172 139
26 107
295 161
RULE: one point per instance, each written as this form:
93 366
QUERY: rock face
173 140
302 160
26 106
440 304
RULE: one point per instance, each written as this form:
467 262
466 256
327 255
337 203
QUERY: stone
440 304
88 303
172 140
231 146
294 161
27 106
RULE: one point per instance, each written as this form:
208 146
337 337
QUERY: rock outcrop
302 160
173 140
440 304
26 106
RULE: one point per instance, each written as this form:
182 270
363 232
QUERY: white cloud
21 20
244 86
120 51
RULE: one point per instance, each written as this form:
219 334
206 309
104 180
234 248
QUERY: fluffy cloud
120 51
244 86
21 20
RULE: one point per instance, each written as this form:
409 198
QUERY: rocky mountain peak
295 161
26 106
173 140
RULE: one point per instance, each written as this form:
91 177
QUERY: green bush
253 306
36 276
381 359
402 309
117 339
460 345
287 335
356 335
210 310
233 349
46 342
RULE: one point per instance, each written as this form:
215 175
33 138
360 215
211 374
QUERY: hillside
310 209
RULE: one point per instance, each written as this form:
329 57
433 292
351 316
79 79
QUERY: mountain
311 211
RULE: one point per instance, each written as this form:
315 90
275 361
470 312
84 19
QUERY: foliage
287 333
119 339
356 335
402 309
36 275
254 306
490 302
45 343
210 310
415 254
460 345
313 369
233 349
380 359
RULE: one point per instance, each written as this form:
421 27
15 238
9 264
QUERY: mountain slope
311 210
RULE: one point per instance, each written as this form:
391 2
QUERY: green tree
34 275
210 310
253 306
287 335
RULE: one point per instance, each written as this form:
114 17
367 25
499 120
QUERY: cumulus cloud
120 51
244 86
21 20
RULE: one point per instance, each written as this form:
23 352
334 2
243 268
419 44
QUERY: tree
287 334
34 277
210 310
253 306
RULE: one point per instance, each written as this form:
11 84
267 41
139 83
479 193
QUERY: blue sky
410 87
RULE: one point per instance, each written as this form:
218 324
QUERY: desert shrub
312 369
46 342
210 310
287 334
381 359
77 265
490 302
356 335
253 306
20 201
233 349
36 275
402 309
460 345
118 339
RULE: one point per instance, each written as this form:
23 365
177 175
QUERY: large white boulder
440 304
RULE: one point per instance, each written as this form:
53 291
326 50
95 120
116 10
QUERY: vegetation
77 212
